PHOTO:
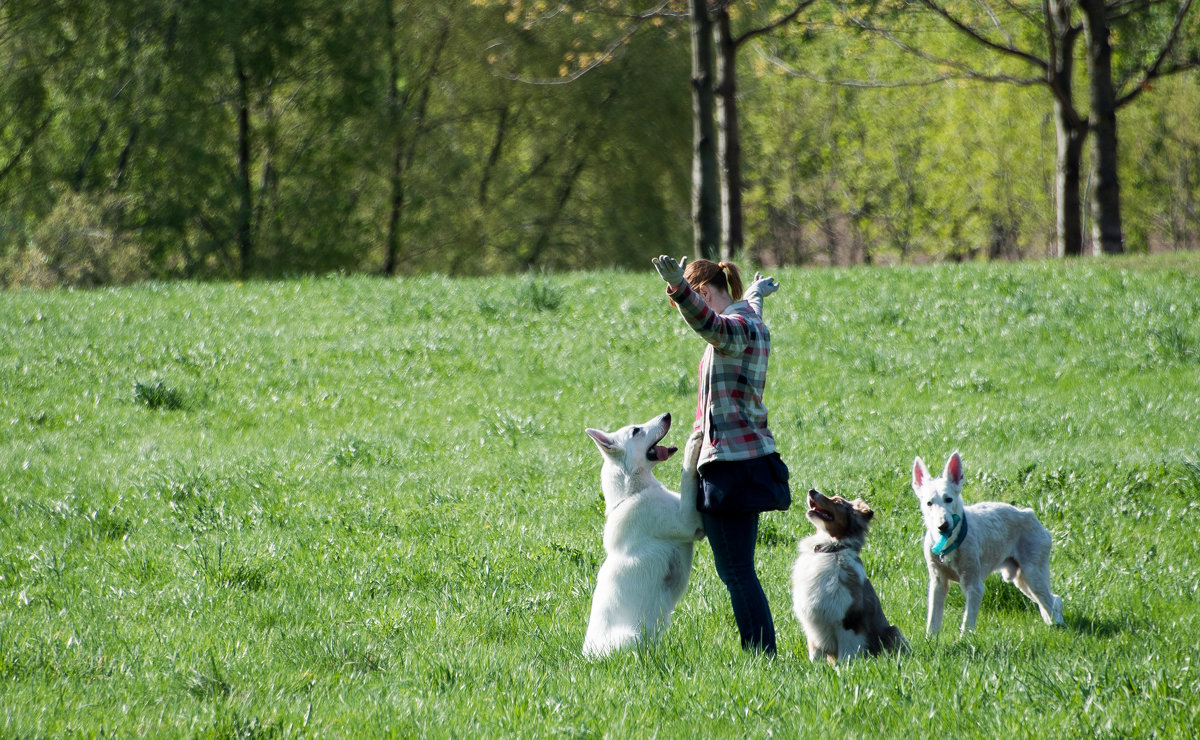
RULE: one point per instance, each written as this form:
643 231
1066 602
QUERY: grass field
357 507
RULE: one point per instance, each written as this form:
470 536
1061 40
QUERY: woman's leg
732 538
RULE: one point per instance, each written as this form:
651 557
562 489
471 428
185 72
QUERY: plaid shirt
733 375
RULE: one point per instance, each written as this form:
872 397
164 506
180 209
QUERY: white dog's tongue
662 453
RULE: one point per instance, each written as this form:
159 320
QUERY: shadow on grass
1103 628
1005 597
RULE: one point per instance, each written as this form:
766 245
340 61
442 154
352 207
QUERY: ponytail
733 280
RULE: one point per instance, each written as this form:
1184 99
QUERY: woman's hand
766 285
670 270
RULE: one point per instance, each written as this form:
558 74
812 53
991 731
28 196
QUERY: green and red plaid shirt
732 377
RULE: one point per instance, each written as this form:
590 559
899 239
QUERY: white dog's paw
691 453
1057 616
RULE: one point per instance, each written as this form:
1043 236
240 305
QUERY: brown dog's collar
831 547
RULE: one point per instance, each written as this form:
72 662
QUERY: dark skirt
744 486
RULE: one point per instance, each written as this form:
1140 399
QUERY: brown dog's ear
861 507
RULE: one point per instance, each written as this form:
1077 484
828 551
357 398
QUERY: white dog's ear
920 474
954 470
602 440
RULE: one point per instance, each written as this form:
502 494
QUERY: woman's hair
723 275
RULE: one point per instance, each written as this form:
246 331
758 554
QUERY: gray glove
670 270
766 285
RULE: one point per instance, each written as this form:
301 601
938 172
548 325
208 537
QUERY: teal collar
943 546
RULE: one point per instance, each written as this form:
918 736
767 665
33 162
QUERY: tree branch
966 71
964 74
991 14
658 11
1157 69
26 144
773 25
979 38
609 53
1121 8
1023 11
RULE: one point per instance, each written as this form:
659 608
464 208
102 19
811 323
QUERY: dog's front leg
973 594
817 654
689 486
937 601
814 653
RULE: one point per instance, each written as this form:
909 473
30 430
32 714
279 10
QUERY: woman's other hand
670 270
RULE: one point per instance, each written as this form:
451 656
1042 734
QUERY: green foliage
384 518
164 140
1163 176
866 152
270 138
78 244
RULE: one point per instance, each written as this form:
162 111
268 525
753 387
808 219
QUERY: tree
266 138
1154 60
717 219
1042 39
586 139
851 166
1052 53
707 224
728 123
407 105
30 40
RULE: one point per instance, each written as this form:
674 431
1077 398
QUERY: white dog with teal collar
1001 538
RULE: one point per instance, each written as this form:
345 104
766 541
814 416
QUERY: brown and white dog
831 595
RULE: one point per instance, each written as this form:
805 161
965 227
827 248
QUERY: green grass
357 507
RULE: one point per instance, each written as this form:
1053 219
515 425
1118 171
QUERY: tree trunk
404 149
493 159
244 228
706 214
1185 225
1070 130
126 154
1106 187
729 147
1069 204
82 170
570 178
391 239
25 145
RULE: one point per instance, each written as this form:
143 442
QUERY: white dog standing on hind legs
649 533
966 544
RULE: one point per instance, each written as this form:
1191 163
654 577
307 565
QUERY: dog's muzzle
657 452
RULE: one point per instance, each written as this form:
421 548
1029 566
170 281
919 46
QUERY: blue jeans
732 537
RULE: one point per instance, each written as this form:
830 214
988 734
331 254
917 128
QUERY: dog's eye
949 500
929 504
637 431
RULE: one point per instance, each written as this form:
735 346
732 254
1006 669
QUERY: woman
741 475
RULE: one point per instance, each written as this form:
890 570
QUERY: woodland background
160 139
